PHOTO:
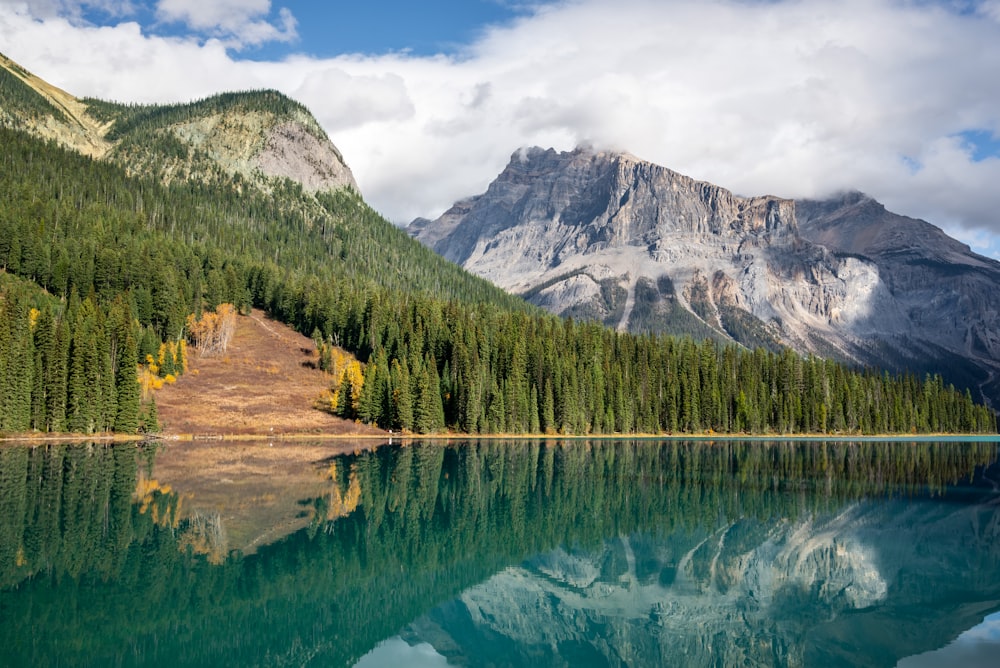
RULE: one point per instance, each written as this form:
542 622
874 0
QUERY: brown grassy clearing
266 385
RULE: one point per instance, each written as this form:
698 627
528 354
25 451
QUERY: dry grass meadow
267 384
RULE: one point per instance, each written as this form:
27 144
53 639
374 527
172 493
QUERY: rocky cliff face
606 236
32 104
259 145
258 137
948 294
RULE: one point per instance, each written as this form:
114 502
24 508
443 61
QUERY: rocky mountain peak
604 235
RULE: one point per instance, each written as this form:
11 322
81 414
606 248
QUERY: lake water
613 552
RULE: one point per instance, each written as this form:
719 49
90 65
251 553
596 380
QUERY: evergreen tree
345 406
149 422
428 413
17 364
534 423
548 410
402 398
127 389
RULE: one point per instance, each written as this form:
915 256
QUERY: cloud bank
791 98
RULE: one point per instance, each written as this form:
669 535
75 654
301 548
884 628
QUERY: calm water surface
502 553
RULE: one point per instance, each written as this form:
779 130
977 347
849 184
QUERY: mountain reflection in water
509 553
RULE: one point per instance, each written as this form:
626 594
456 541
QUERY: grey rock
606 236
291 151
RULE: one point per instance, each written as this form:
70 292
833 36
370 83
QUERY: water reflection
500 553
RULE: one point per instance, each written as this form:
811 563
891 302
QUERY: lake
605 552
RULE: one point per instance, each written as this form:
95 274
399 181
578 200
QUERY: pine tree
127 389
83 385
149 422
497 411
428 411
17 363
402 398
345 406
548 410
56 357
534 424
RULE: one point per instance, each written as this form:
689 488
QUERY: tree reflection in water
607 552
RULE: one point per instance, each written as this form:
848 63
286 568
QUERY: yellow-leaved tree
212 332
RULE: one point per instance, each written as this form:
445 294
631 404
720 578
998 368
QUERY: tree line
433 365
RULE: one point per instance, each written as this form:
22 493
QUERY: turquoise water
506 553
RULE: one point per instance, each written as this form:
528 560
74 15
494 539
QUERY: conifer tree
548 419
127 389
345 406
83 385
534 423
150 418
56 355
17 363
402 397
38 414
423 405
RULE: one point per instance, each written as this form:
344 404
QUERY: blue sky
422 28
427 101
331 28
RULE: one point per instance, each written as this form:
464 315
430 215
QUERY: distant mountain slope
606 236
38 107
253 137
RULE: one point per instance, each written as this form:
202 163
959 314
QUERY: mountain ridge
604 235
255 137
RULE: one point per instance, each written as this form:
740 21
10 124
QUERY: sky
428 101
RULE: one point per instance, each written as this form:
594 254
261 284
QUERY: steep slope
254 137
606 236
34 105
943 287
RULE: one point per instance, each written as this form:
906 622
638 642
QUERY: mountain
948 293
107 255
606 236
254 136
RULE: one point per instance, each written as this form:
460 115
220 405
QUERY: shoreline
406 437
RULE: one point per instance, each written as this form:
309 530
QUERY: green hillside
103 260
21 102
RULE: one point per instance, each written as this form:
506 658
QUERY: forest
101 269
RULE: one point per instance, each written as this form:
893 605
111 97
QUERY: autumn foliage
169 362
212 333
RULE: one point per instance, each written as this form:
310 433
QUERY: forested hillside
101 270
115 264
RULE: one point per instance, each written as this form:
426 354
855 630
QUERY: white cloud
238 23
120 62
790 98
73 9
975 648
351 101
